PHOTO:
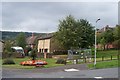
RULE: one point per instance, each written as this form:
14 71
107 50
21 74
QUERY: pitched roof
47 36
104 29
31 39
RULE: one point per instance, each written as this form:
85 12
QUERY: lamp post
95 41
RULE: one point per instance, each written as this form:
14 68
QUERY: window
40 50
46 50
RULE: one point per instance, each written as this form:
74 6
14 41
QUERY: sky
44 17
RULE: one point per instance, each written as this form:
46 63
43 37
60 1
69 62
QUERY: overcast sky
44 16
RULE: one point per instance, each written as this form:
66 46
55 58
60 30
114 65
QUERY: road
59 73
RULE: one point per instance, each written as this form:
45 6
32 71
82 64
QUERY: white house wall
44 44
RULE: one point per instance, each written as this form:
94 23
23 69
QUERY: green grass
51 63
107 53
104 64
17 64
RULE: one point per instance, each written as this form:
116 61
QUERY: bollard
76 61
85 60
118 56
111 57
65 62
102 58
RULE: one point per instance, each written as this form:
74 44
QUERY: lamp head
97 20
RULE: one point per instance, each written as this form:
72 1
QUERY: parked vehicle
19 51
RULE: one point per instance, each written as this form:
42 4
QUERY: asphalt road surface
58 72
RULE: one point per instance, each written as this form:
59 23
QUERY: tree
116 32
33 54
116 44
116 35
99 37
7 51
103 42
85 34
106 38
74 33
21 40
7 46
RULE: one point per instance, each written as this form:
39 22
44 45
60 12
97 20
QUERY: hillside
12 35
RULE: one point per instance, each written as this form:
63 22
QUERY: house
44 44
31 41
110 45
48 44
104 29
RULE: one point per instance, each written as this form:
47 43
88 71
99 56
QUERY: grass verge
51 63
104 64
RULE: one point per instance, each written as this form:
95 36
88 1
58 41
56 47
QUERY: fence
41 55
103 58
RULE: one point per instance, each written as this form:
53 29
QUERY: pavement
58 72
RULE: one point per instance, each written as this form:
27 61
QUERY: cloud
34 25
44 16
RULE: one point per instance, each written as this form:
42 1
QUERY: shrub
33 54
8 61
61 61
6 54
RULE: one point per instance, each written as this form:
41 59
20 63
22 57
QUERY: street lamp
95 41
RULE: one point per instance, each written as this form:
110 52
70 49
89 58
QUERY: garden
51 63
108 62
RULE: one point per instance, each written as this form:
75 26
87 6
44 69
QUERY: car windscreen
19 51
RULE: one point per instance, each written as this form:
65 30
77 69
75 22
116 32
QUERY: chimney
32 35
104 28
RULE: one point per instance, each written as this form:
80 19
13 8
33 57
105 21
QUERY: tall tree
85 34
116 35
108 36
8 44
21 40
116 32
74 33
103 42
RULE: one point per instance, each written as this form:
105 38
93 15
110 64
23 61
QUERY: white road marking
62 77
69 70
98 77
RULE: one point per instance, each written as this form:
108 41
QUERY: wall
44 44
1 46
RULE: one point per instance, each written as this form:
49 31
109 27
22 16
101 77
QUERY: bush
6 54
8 61
33 54
61 61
